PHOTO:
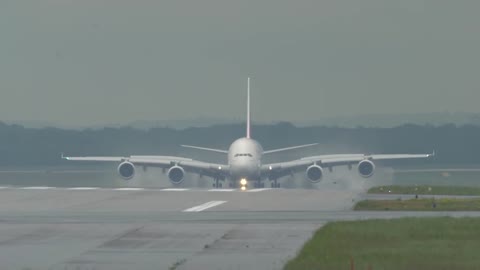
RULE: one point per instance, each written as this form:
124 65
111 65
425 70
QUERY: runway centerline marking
258 189
37 188
204 206
83 188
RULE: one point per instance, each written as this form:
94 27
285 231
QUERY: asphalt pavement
175 228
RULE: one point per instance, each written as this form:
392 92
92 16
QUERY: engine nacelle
314 173
126 170
176 174
366 168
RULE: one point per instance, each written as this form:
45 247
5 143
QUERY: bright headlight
243 182
243 188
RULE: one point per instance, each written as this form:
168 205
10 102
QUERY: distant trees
26 146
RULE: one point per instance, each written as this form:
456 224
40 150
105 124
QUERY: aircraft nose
240 165
243 166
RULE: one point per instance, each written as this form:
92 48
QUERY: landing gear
275 184
217 183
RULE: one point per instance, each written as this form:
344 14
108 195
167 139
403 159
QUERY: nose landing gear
243 184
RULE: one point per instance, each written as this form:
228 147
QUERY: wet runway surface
136 228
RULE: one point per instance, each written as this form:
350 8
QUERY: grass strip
443 204
423 190
395 244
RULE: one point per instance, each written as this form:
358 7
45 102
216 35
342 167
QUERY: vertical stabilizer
248 108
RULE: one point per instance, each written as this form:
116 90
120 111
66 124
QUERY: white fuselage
244 159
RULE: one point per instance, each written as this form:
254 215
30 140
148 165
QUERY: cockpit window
243 155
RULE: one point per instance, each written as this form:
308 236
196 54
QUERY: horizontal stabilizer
206 149
288 148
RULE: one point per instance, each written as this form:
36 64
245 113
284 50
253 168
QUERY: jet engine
314 173
176 174
366 168
126 170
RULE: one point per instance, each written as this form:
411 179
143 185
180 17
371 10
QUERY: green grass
438 178
442 204
397 244
434 190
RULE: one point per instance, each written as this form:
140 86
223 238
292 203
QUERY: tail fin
248 108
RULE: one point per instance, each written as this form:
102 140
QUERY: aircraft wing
190 165
205 148
327 161
288 148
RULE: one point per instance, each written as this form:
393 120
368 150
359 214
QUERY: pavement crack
177 264
227 235
122 240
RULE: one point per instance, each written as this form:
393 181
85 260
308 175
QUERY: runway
136 228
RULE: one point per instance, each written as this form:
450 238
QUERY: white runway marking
204 206
83 188
258 189
37 188
135 189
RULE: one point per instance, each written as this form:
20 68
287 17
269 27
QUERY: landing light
243 188
243 182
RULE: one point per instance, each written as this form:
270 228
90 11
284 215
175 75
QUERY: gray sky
109 61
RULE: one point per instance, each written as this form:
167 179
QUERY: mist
96 63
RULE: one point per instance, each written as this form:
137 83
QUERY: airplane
244 164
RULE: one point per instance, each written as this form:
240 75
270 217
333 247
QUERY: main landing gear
217 183
256 184
275 184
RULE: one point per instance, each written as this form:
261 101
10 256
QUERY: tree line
30 146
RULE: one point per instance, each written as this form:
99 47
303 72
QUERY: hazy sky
108 61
